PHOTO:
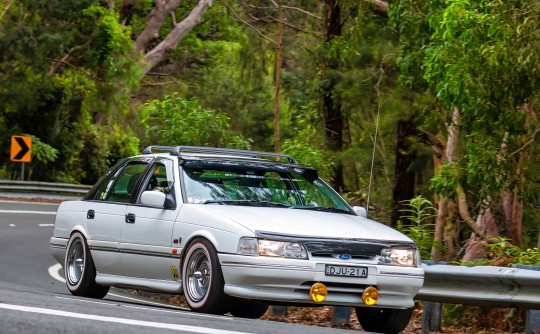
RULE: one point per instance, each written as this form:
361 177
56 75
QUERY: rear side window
120 186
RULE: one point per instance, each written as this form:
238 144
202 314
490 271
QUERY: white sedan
234 231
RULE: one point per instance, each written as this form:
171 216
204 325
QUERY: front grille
330 255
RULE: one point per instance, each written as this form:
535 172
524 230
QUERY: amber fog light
370 296
318 292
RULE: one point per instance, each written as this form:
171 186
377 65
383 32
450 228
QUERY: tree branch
59 63
287 7
246 23
155 20
5 10
180 30
436 146
463 208
532 140
382 6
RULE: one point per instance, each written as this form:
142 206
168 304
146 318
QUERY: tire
250 309
79 269
203 280
383 320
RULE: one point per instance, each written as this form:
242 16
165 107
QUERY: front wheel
79 269
202 278
383 320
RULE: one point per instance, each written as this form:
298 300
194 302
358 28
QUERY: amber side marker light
370 296
318 292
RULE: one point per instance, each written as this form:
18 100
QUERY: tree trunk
486 221
279 50
333 117
178 32
404 179
446 220
512 205
512 208
451 232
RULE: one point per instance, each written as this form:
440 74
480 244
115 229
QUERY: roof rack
156 149
178 150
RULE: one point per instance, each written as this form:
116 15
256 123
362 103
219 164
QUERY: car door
146 241
107 213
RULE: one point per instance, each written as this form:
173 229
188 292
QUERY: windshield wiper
247 203
321 208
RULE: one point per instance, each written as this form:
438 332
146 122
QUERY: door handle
90 214
130 218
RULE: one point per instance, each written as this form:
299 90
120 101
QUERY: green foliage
305 154
70 72
177 121
44 153
482 59
445 181
501 252
418 225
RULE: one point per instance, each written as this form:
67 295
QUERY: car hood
302 222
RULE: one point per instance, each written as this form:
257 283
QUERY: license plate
346 271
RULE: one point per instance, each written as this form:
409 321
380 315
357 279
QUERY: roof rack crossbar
178 150
154 148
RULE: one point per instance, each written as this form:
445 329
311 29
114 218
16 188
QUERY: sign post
21 151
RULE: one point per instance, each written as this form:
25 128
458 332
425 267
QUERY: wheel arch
198 234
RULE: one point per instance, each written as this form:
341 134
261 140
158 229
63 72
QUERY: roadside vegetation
427 111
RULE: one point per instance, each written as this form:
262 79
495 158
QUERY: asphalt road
32 300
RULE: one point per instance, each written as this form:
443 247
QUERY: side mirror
153 198
360 211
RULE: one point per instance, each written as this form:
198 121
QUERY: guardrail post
341 315
432 317
278 311
533 322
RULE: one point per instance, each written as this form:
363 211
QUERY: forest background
440 98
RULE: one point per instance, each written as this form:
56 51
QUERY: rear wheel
202 279
383 320
250 309
79 269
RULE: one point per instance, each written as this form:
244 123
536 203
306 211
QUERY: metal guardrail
518 287
43 187
481 286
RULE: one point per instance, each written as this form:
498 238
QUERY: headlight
398 257
252 246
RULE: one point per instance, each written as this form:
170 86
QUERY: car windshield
251 187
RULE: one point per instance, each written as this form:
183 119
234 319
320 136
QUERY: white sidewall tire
195 247
76 240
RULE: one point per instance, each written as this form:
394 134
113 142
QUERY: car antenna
373 158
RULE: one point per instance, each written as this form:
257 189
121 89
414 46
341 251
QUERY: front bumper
289 280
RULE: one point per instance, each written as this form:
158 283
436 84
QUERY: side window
161 177
121 185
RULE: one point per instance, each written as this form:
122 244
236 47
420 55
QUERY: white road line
29 212
54 271
46 225
11 225
132 322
